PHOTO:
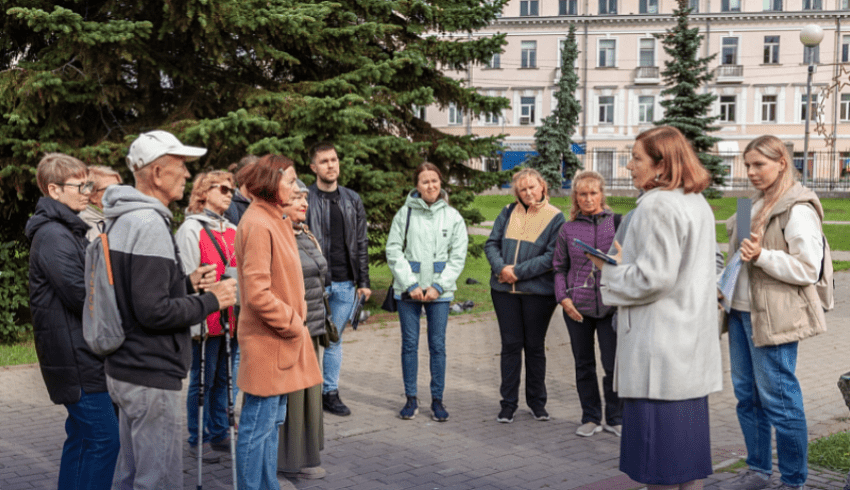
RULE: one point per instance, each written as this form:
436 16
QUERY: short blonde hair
202 185
98 172
529 173
57 168
581 179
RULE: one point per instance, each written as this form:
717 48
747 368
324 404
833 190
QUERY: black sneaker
411 408
540 414
332 404
439 411
506 415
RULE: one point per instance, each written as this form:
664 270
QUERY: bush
14 292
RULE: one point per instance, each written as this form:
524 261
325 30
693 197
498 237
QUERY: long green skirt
302 436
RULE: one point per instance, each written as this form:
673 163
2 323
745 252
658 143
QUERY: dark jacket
57 298
315 269
573 269
151 290
524 238
238 205
356 241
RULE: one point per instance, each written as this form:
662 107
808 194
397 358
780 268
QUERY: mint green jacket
436 247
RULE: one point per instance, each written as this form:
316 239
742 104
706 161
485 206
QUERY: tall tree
554 136
243 76
684 107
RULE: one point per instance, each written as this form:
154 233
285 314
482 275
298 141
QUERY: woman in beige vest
774 305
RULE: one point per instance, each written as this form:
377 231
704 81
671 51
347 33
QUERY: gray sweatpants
149 428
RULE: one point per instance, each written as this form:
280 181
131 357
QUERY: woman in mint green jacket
426 252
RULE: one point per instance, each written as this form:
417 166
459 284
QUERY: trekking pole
231 417
202 379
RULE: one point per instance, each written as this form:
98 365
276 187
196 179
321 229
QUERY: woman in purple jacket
577 290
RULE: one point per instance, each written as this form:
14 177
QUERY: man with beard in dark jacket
72 372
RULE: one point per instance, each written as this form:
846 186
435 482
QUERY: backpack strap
104 240
215 242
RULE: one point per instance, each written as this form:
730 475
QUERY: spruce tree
244 76
554 136
684 108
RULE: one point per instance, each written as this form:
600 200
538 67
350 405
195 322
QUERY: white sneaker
588 429
617 430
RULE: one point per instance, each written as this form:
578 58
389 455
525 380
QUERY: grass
831 452
18 353
841 265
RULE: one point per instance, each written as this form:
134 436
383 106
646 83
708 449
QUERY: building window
605 163
606 110
845 49
812 4
607 52
811 54
774 5
694 6
492 118
730 5
567 7
419 111
607 6
729 51
646 109
495 61
528 8
845 4
647 52
526 110
648 6
813 113
529 54
768 108
727 108
455 115
844 108
771 50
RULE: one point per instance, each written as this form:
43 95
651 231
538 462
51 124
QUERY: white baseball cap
154 144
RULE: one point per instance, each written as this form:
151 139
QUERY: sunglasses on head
222 188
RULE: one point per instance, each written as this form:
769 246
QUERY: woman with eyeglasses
519 250
577 291
73 374
208 238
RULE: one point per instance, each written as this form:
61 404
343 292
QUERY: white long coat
668 347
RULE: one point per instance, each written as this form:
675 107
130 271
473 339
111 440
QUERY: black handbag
390 304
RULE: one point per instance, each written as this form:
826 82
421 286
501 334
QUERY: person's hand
599 263
431 294
507 275
417 294
225 293
570 310
365 292
203 277
751 248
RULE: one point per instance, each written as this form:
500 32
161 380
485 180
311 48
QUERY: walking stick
231 417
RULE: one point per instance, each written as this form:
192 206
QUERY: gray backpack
102 326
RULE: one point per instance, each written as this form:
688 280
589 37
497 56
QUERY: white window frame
608 10
648 7
641 49
737 54
728 109
768 105
608 154
772 5
495 61
771 50
813 107
812 5
528 54
455 115
606 110
612 63
531 7
844 107
646 109
567 4
527 107
731 5
845 48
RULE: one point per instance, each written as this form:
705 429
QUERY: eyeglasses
222 188
82 187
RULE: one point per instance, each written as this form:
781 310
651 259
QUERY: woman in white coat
668 350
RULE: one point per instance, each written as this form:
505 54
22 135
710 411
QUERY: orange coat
277 354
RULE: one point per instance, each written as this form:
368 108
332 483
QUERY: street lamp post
810 36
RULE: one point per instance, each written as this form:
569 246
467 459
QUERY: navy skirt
665 442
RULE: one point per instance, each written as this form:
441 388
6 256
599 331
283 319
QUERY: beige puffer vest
782 312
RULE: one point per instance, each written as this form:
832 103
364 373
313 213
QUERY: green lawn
831 452
19 353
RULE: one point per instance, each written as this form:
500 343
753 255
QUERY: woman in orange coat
276 351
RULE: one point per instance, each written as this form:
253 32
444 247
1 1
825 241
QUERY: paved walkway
373 449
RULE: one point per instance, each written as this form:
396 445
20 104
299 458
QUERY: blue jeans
341 300
234 365
215 391
768 395
91 449
256 450
437 313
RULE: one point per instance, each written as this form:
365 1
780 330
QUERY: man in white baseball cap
145 374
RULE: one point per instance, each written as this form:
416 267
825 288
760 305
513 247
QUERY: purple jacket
573 268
